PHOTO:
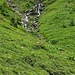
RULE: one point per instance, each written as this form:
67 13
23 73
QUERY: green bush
72 23
14 22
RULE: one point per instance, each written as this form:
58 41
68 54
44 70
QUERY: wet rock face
30 17
34 13
36 10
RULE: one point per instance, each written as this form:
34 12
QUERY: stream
30 17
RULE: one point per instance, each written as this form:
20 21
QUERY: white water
25 19
34 12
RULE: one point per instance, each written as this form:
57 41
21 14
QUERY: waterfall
30 17
24 21
35 12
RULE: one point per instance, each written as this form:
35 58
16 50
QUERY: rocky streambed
30 17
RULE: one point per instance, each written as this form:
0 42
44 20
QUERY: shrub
14 22
64 26
71 23
4 9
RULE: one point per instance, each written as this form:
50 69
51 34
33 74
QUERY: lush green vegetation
23 53
57 24
9 13
24 4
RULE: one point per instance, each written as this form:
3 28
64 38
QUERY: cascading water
30 18
35 12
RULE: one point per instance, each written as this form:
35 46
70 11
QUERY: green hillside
57 24
24 4
50 51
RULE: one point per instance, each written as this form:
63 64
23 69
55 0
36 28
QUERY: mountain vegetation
49 50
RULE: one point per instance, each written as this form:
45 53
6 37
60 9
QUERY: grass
24 5
57 24
23 53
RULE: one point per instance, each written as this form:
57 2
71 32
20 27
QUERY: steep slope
20 52
57 24
16 46
23 53
24 4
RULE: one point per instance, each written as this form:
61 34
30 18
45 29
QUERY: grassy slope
24 5
20 52
57 24
23 53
